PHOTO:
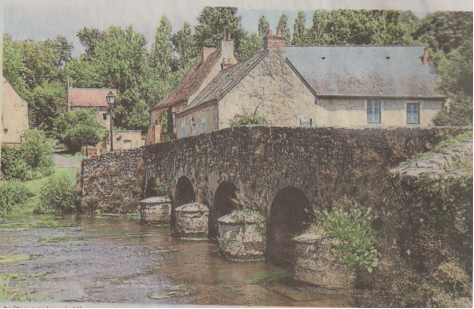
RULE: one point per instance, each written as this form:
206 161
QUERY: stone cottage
306 86
15 118
96 98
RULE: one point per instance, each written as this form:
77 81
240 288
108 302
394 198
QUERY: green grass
77 155
35 185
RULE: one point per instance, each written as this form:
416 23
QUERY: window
203 125
127 144
193 126
373 111
183 131
104 116
306 122
413 113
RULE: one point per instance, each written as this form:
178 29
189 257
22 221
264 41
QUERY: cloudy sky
43 19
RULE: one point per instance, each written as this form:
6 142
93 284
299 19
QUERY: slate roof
88 97
366 70
227 79
191 81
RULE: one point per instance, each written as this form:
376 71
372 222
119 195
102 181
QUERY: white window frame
374 120
203 123
407 113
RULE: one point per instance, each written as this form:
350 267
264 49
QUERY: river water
115 260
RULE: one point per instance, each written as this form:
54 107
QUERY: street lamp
110 101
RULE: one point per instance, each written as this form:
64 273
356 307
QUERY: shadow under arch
150 187
289 217
222 205
184 194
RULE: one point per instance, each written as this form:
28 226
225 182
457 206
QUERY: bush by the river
32 160
57 196
13 194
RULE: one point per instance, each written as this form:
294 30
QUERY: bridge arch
221 205
184 194
150 187
289 216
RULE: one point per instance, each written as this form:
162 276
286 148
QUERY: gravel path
65 162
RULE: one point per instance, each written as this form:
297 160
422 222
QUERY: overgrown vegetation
13 194
160 189
354 237
57 196
32 160
247 119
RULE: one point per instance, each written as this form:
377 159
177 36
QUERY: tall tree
249 46
48 101
120 61
448 35
185 45
89 38
263 26
161 51
371 27
214 22
283 28
62 50
14 68
299 32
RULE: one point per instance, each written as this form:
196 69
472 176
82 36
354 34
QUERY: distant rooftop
88 97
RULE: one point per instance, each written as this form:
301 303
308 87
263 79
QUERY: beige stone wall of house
353 113
124 140
209 115
272 88
14 111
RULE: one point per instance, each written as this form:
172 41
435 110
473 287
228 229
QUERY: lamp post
110 101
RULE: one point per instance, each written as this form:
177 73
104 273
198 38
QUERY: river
114 260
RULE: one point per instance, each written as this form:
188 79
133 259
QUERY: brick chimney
274 42
227 52
426 57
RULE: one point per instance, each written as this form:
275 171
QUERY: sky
46 19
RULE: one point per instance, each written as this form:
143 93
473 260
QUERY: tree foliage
214 22
263 26
80 128
283 28
185 45
160 56
299 34
57 196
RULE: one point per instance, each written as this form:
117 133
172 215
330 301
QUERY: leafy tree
48 101
62 50
249 46
82 74
374 27
185 45
247 119
14 68
214 22
283 28
80 128
161 51
299 33
121 64
263 26
448 36
90 38
37 154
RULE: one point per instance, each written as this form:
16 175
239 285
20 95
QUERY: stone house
15 117
307 86
96 98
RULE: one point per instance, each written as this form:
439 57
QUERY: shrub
57 196
247 119
160 189
32 160
13 165
355 238
13 194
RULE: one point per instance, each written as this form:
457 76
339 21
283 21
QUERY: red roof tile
88 97
192 81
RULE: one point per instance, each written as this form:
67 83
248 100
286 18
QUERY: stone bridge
290 173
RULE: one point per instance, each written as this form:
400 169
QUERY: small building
306 86
15 117
91 98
